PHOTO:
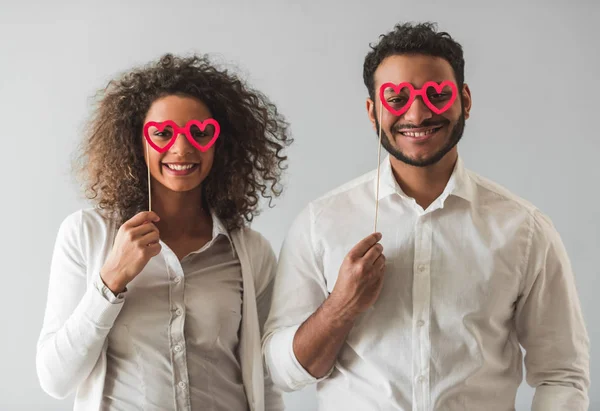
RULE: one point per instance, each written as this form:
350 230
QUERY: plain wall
532 69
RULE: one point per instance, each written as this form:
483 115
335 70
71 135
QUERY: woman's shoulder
255 242
260 255
88 216
89 224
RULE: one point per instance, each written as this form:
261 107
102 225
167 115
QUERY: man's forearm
320 338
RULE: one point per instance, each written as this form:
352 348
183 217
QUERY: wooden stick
378 166
149 190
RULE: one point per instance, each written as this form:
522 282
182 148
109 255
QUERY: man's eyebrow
390 90
389 87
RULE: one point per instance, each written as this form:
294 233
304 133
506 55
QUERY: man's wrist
337 314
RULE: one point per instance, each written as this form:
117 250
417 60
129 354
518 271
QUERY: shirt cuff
107 293
285 362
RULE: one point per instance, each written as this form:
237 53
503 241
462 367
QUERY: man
470 271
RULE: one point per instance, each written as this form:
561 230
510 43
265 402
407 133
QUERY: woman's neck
181 213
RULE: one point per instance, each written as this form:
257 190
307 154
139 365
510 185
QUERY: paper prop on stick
438 97
397 99
162 135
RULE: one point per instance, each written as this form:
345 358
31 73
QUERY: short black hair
410 38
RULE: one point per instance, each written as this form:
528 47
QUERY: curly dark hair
409 38
249 163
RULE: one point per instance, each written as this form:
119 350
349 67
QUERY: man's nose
418 111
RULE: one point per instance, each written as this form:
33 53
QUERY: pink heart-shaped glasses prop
420 92
160 126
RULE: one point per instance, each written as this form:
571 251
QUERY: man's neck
424 184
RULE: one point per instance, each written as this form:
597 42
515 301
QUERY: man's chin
422 156
416 162
414 159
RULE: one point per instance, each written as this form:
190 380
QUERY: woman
164 309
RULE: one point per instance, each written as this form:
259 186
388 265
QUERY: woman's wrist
113 282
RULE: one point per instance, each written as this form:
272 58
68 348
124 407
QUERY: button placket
421 310
424 329
177 335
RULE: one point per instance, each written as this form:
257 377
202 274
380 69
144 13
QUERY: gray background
533 71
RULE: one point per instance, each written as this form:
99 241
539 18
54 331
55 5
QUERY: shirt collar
459 185
387 182
219 228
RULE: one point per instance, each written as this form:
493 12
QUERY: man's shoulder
494 197
492 194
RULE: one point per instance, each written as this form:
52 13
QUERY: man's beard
455 136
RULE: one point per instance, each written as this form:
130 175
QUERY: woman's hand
136 243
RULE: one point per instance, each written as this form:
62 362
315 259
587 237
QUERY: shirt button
179 311
421 323
182 385
177 348
421 379
177 280
421 268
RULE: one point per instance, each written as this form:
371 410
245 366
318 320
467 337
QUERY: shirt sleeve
77 317
299 290
550 325
107 293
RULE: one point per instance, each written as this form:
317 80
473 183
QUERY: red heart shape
161 126
202 126
421 92
397 89
186 131
438 89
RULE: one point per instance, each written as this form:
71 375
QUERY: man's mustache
426 124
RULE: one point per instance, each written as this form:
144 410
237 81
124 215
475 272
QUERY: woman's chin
180 187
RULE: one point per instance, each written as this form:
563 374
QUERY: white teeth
419 134
180 167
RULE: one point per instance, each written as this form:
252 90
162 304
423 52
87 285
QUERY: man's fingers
373 254
359 250
379 264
